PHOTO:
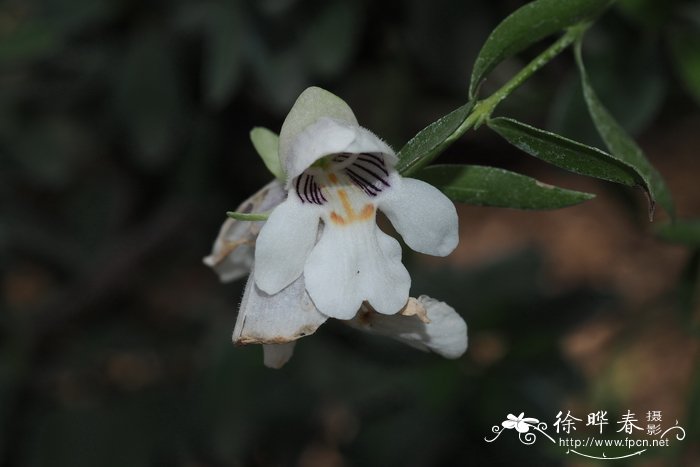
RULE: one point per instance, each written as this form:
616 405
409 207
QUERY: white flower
320 254
338 175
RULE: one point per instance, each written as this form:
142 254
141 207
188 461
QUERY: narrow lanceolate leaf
248 216
565 153
621 146
685 232
267 144
527 25
431 140
490 186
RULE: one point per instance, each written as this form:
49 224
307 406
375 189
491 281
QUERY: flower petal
508 424
312 104
276 319
445 334
284 244
328 136
276 355
232 253
354 263
425 218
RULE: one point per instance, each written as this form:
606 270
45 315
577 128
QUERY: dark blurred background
124 140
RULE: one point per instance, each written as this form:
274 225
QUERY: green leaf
684 51
685 232
248 216
490 186
628 74
267 145
621 146
563 152
431 140
527 25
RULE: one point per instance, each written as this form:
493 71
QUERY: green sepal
248 216
266 143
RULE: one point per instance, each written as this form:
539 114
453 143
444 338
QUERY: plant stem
481 110
484 108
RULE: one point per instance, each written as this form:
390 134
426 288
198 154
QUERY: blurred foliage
124 140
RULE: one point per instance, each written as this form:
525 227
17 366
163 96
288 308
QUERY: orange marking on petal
346 205
336 219
332 177
367 212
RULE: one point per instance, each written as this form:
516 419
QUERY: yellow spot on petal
336 219
367 212
351 215
346 204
